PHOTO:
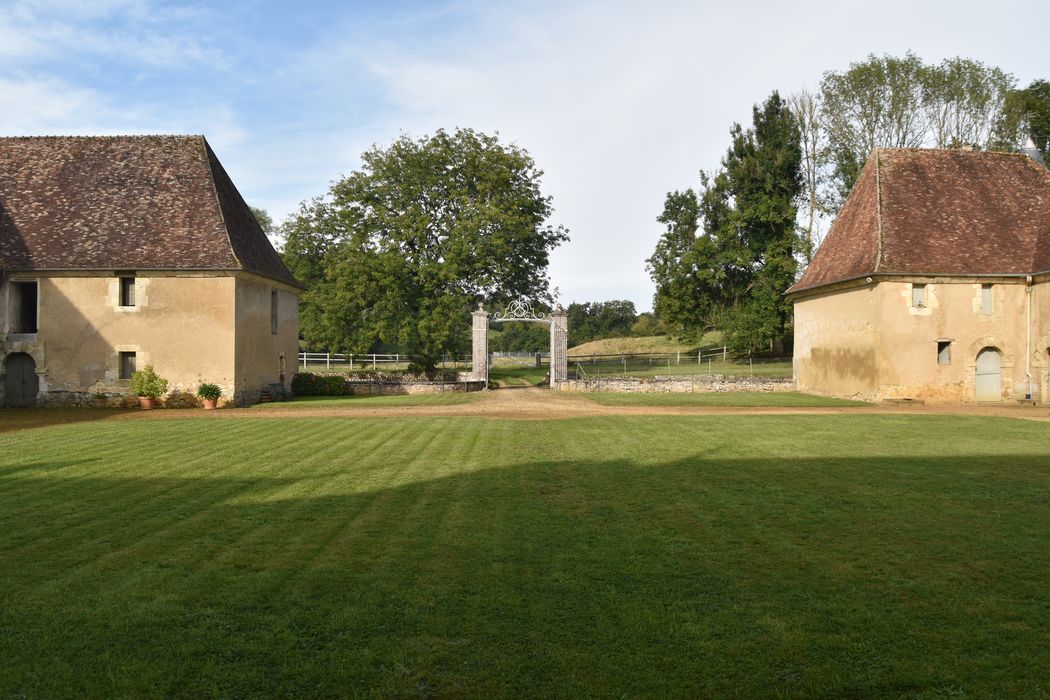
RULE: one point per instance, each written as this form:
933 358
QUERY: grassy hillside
651 343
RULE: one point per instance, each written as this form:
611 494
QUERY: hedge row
305 384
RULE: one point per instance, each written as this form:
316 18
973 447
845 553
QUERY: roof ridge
99 137
878 211
218 201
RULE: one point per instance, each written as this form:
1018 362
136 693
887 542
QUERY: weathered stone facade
932 284
559 346
122 252
192 328
479 355
871 342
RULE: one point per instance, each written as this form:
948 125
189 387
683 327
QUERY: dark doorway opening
21 384
23 307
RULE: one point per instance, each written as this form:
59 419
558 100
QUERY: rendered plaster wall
261 354
182 325
873 342
1040 357
836 343
909 336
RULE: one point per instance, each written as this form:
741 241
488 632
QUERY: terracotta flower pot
145 403
209 404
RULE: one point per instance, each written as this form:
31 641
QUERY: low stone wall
85 399
365 388
101 399
679 384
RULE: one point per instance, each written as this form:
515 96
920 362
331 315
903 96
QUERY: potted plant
209 394
148 386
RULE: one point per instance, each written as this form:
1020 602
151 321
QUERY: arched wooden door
989 378
20 381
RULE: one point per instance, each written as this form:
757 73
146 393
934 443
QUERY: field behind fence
319 362
702 362
650 364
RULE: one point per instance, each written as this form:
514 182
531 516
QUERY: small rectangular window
944 352
127 291
273 312
127 365
23 307
918 295
986 298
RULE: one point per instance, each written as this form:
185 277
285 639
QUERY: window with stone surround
127 291
127 365
918 295
986 299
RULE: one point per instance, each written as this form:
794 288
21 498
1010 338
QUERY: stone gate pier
521 310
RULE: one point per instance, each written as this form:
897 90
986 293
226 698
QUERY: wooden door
989 375
20 381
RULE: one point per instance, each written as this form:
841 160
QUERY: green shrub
306 384
211 392
146 382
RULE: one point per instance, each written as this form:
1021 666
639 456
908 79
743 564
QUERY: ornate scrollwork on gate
520 310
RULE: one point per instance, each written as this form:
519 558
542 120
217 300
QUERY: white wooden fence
352 362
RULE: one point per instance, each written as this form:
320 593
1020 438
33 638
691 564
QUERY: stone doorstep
904 402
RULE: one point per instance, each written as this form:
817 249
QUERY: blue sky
617 102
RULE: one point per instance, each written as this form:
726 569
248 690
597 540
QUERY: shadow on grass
12 419
438 399
696 577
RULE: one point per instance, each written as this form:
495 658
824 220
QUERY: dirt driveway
532 403
528 403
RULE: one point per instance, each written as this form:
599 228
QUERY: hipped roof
938 212
126 203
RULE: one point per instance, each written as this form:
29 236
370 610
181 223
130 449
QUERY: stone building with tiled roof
933 283
118 252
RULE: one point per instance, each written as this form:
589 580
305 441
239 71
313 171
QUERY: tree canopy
728 253
602 319
902 102
401 250
1028 115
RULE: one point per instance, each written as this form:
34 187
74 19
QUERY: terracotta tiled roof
916 211
125 203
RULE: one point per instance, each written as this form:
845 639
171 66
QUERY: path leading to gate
513 404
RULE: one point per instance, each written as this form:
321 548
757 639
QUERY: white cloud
617 102
621 102
46 106
138 31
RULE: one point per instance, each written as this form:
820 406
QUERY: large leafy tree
902 102
733 273
401 250
964 101
876 102
1027 115
681 300
600 319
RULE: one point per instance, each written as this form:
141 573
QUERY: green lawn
743 556
440 399
776 399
